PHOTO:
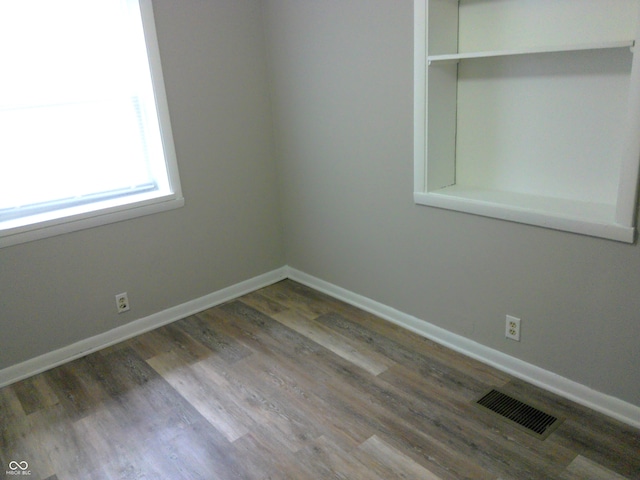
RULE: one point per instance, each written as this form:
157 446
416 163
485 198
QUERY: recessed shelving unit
530 111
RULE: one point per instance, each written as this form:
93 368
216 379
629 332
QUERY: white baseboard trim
614 407
84 347
606 404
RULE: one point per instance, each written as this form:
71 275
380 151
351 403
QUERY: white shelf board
455 57
587 218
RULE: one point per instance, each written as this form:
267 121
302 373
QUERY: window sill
81 218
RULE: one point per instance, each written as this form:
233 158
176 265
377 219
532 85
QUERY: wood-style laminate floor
288 383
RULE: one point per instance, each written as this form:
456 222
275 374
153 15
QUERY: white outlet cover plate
515 335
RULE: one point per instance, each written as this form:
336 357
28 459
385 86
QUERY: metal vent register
519 414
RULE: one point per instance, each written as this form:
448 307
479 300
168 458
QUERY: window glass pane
77 108
78 149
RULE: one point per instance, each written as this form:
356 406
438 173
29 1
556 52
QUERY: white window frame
122 208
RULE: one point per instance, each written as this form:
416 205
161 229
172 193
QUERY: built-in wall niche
530 111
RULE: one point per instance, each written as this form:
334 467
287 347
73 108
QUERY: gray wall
341 87
342 76
60 290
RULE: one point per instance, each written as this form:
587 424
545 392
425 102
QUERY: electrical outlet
122 302
512 328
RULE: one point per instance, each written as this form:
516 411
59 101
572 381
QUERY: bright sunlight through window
85 137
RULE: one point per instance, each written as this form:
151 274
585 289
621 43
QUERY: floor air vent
520 414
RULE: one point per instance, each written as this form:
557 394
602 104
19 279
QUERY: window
85 135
